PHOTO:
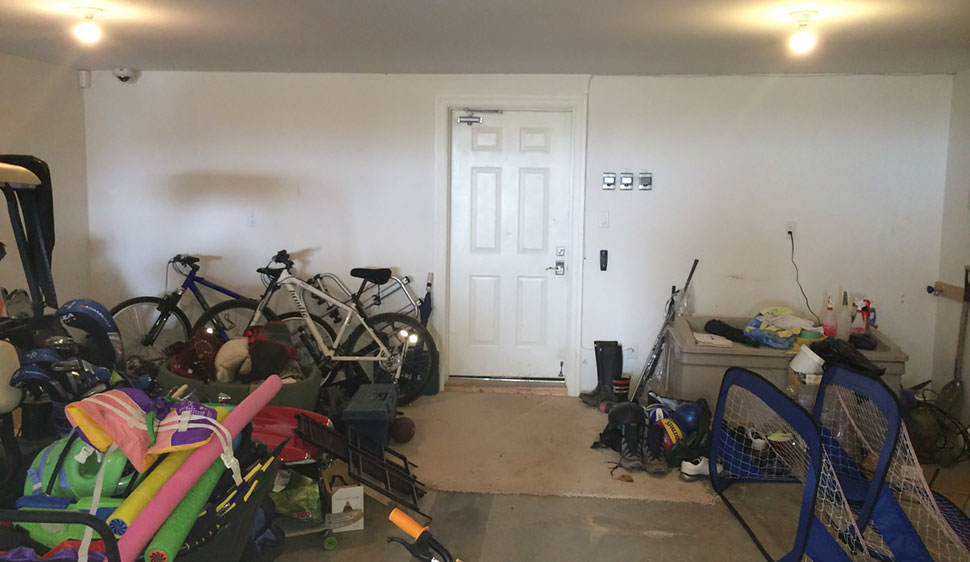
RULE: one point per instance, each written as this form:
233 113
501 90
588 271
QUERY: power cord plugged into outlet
791 237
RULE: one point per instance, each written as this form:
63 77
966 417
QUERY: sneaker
697 468
630 448
654 461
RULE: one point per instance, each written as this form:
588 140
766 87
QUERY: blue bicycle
150 324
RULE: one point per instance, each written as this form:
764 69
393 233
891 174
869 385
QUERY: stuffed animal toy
233 359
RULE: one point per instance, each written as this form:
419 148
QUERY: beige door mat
519 444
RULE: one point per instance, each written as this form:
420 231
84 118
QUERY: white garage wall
342 167
339 169
857 162
955 252
42 114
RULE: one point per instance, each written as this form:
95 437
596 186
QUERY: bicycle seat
189 260
271 271
377 276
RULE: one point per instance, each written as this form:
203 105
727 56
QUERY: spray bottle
828 319
843 324
860 322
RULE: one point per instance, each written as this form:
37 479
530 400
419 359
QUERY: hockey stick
658 345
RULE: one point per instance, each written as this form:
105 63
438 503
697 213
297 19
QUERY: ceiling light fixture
803 40
88 31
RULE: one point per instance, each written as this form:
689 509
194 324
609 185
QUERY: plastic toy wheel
330 542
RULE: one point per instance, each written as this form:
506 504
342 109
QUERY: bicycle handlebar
425 547
407 524
192 262
283 257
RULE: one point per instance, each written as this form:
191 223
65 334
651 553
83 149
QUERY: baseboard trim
507 386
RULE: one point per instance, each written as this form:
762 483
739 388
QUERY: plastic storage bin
370 413
696 371
298 394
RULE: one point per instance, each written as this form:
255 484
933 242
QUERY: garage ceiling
495 36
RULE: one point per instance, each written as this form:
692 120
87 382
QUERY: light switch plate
646 181
609 180
626 181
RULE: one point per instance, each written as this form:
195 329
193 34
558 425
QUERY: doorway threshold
497 385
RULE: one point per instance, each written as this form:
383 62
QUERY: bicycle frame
293 286
397 284
191 283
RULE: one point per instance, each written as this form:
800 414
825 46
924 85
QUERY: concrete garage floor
508 528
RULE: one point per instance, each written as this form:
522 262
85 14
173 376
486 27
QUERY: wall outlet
790 229
251 219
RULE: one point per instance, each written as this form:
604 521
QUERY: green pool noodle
170 537
140 496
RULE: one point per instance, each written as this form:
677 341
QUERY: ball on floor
402 429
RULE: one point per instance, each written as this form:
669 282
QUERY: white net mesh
759 445
854 431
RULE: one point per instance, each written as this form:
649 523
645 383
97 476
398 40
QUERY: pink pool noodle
171 493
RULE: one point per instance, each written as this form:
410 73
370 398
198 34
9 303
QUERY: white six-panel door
510 206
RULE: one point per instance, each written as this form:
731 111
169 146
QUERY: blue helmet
95 320
687 416
42 356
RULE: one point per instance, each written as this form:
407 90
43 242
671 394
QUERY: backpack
270 349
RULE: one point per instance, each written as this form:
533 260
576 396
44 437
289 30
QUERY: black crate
370 412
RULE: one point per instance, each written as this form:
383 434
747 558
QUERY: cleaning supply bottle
828 319
859 322
843 323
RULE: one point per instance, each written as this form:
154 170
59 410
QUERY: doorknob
560 267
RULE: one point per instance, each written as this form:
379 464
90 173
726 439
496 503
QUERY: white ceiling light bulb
803 40
88 31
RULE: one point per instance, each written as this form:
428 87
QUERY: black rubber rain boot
609 366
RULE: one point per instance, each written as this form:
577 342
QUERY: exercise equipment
26 184
164 502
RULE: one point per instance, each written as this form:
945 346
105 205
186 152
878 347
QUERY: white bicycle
385 348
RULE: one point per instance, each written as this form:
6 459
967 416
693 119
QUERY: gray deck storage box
695 371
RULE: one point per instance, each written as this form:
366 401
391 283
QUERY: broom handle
961 342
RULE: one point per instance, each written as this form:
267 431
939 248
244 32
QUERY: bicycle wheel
136 319
229 319
418 360
308 355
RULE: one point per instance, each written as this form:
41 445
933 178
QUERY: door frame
577 107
